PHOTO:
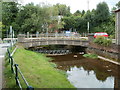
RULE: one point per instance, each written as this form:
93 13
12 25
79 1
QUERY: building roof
118 10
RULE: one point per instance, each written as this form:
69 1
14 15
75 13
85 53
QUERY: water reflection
89 73
82 79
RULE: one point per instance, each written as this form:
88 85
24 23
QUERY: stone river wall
111 52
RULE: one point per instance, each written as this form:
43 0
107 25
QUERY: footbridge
37 41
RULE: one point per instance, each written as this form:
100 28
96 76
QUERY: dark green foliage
103 41
32 18
63 9
9 14
77 13
118 4
101 20
102 13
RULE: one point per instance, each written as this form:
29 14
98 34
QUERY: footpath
3 50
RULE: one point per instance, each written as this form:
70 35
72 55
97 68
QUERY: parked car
104 34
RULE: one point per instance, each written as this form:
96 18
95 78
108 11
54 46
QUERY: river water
88 73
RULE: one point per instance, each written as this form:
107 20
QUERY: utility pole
88 24
0 21
88 4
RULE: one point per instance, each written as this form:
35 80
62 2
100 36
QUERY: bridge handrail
52 35
15 69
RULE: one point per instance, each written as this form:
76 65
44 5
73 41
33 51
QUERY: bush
99 40
107 42
93 56
102 41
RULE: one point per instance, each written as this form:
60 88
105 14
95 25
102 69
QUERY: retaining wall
111 52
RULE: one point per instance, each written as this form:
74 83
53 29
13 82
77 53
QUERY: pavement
3 50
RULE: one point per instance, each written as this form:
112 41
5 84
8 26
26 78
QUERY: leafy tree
77 13
80 24
69 22
32 18
118 5
83 12
63 9
9 14
102 13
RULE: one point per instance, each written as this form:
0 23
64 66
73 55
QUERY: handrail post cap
15 64
30 88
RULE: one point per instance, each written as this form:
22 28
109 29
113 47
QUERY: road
3 49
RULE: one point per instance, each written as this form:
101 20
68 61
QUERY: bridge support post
91 38
21 38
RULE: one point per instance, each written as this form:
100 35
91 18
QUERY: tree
83 12
63 9
33 18
77 13
102 13
9 14
118 5
69 22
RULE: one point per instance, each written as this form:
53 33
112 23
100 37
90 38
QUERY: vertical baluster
8 55
11 64
16 74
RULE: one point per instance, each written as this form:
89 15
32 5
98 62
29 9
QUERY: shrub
93 56
107 42
102 41
99 40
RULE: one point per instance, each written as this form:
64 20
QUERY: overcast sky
75 4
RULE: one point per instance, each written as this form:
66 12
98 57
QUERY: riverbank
38 71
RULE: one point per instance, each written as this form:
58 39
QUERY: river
88 73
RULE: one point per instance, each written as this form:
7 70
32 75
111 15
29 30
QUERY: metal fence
16 70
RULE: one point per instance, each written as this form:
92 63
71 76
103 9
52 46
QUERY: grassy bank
37 70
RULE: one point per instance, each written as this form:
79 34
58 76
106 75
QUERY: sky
75 4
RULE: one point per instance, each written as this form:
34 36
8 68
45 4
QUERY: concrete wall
117 32
111 52
110 55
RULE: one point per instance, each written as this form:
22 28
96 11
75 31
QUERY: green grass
37 70
93 56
